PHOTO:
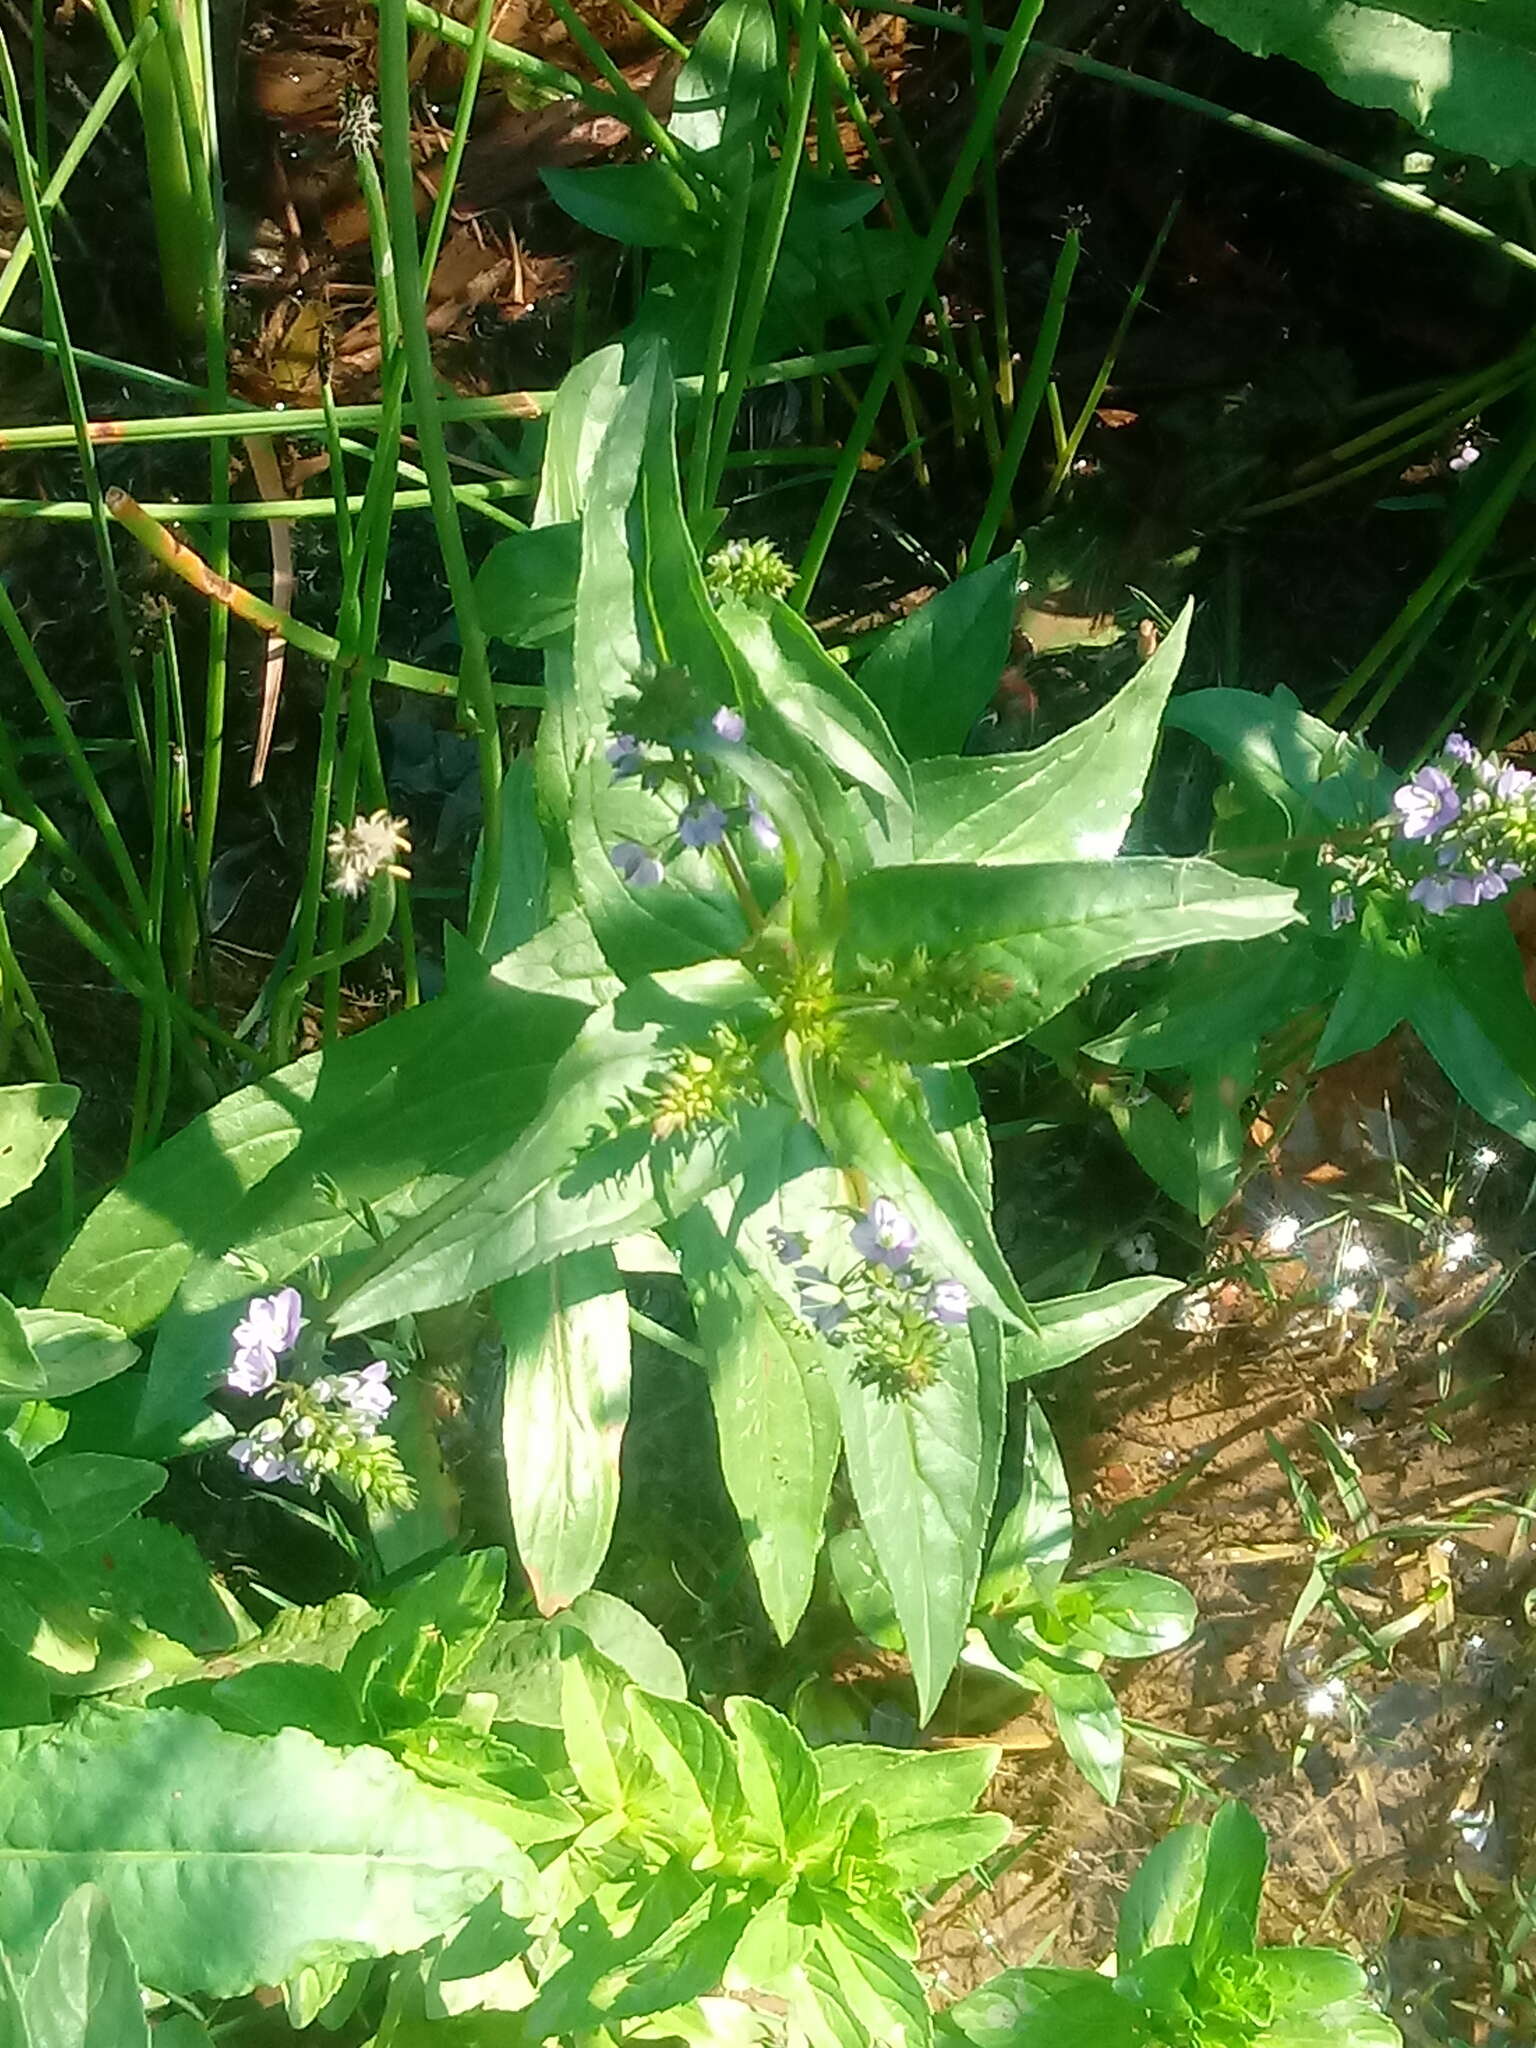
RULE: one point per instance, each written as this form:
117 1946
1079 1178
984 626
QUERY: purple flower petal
253 1372
729 724
272 1322
1459 748
640 869
625 755
1426 804
883 1236
702 824
1342 909
761 826
788 1245
948 1303
1433 894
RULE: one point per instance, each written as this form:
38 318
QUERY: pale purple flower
1489 883
1440 893
1513 784
1342 909
728 724
625 755
883 1236
948 1303
1426 804
260 1455
1465 456
761 826
254 1370
821 1300
788 1245
367 1394
702 824
1459 748
640 869
269 1328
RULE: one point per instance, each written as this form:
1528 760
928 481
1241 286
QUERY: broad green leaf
1218 1127
1033 1545
1040 933
862 1586
697 1806
43 1616
641 205
83 1991
1307 1979
522 901
1071 799
526 586
32 1121
1158 1910
1377 991
774 1409
1132 1613
1355 2024
565 1402
816 697
33 1426
1087 1713
562 959
74 1352
25 1520
21 1376
25 1697
586 1169
1317 777
909 1787
924 1472
16 842
230 1862
585 404
427 1637
1160 1141
151 1575
884 1131
1461 71
1046 2008
1213 999
780 1781
1469 1006
519 1661
88 1493
725 78
388 1115
1228 1913
933 675
271 1697
882 1989
1075 1324
673 1949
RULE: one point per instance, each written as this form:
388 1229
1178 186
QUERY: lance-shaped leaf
83 1991
32 1121
587 1169
933 675
1071 799
231 1861
1074 1324
924 1472
565 1402
774 1410
985 954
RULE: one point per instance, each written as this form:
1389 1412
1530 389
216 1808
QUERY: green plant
747 949
1188 1971
1033 1630
1462 71
429 1811
1403 884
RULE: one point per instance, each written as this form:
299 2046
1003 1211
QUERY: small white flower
1193 1312
1355 1258
1346 1300
1324 1702
367 847
1460 1246
1485 1157
1138 1253
1282 1234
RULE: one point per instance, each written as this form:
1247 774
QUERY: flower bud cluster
892 1315
946 990
703 1085
1461 831
751 570
325 1427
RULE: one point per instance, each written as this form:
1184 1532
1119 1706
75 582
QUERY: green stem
261 511
14 981
978 137
477 695
1027 411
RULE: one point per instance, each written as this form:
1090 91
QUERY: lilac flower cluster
1461 831
703 823
327 1427
893 1315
